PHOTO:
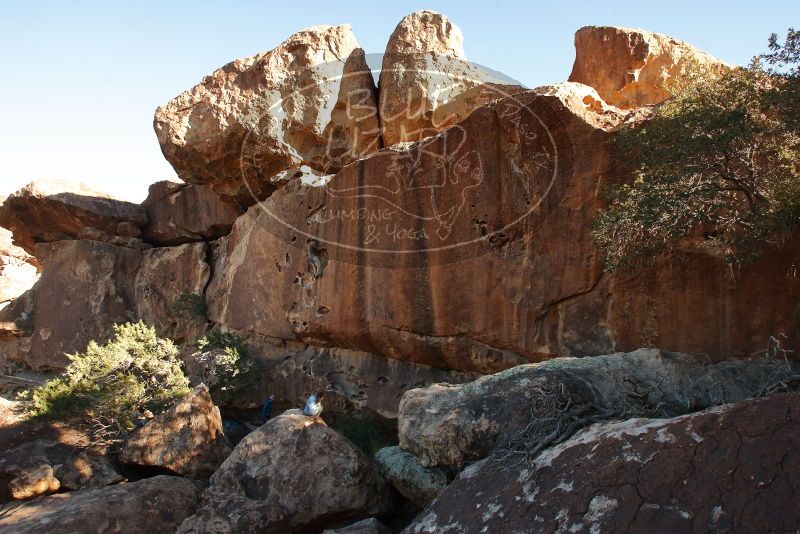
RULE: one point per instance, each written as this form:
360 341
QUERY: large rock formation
86 287
169 288
426 82
43 466
729 469
187 439
452 253
52 210
447 424
310 102
288 475
632 67
154 505
180 213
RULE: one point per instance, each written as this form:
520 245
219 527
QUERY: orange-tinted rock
733 468
178 213
632 67
472 250
52 210
426 82
186 439
85 287
310 101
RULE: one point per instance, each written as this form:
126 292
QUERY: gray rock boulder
401 469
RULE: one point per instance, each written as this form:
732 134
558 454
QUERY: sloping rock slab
154 505
733 468
402 470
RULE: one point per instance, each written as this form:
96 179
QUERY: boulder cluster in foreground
420 249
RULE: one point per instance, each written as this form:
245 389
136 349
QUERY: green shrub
115 383
228 364
189 304
718 163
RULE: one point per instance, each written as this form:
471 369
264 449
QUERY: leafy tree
226 363
718 163
114 384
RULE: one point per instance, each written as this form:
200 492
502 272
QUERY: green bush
115 383
229 366
718 163
189 304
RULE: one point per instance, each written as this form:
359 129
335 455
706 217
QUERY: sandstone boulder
180 213
420 485
733 468
42 466
447 424
168 292
17 270
288 475
85 288
632 67
186 439
451 253
52 210
365 526
154 505
426 82
310 101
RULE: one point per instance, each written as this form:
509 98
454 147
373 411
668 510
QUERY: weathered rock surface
53 210
96 234
169 288
290 474
154 505
474 273
448 424
426 82
43 466
420 485
365 526
733 468
186 439
180 213
17 276
632 67
85 288
311 101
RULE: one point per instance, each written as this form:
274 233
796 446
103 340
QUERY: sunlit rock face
310 101
426 82
633 67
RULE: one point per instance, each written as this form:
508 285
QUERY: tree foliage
115 384
719 164
227 365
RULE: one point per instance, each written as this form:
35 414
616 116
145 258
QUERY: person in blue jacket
266 409
313 407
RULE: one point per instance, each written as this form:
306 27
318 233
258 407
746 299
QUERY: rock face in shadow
288 475
154 505
169 288
52 210
426 82
633 67
85 287
310 101
732 468
180 213
43 466
449 424
187 439
365 526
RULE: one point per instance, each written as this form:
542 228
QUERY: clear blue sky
80 80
